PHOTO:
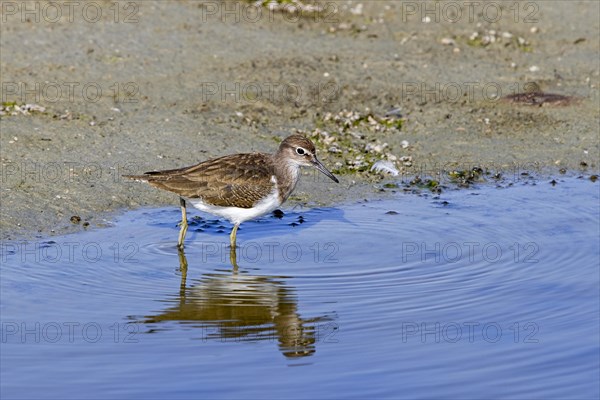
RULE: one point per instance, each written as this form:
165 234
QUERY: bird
238 187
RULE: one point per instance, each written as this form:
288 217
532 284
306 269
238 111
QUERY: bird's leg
232 248
183 266
233 235
184 224
233 258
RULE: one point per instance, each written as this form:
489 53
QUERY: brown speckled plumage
237 180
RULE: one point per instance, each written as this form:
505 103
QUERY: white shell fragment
385 166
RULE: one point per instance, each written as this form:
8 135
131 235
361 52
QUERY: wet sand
167 84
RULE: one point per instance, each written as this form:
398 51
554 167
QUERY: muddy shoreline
175 83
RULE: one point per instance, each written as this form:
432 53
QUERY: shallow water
483 292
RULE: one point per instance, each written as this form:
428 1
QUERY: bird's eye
300 151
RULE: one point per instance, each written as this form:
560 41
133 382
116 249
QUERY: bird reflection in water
232 305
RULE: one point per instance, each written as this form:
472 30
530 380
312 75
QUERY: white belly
237 215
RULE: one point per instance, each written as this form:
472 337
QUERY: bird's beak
324 170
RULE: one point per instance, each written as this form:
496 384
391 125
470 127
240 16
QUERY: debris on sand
385 166
354 141
292 6
8 108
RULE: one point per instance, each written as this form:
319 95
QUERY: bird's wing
239 180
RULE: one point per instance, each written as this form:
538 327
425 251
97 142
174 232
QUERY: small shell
406 160
385 166
34 107
377 148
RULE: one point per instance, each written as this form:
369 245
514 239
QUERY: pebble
358 10
406 160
